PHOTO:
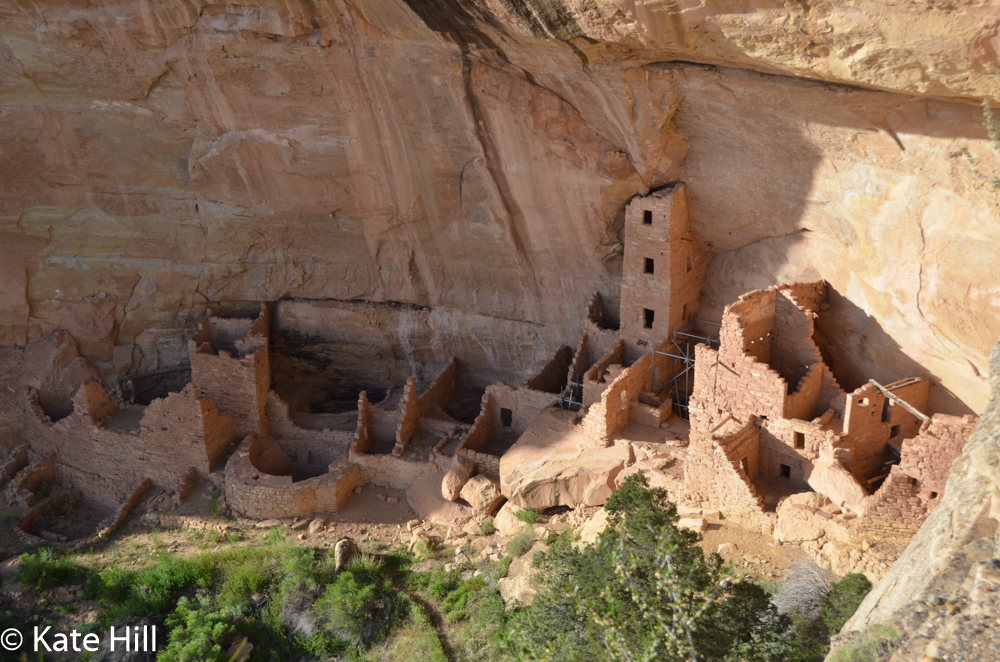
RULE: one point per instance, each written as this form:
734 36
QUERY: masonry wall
673 289
441 390
865 431
551 377
606 417
594 383
523 404
362 440
253 493
408 413
715 481
479 435
914 391
397 473
176 433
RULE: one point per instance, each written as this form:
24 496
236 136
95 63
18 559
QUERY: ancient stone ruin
741 420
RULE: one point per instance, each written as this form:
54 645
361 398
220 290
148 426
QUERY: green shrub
645 589
428 548
874 644
843 600
360 603
150 591
197 630
487 527
46 570
521 543
527 515
276 535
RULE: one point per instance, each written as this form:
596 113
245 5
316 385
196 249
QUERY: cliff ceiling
472 159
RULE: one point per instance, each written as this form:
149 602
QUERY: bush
487 527
641 590
197 630
360 603
521 543
45 570
804 588
874 644
842 601
527 515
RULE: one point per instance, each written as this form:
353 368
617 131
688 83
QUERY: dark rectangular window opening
786 472
894 431
506 417
647 217
647 318
800 440
648 269
933 495
886 410
689 265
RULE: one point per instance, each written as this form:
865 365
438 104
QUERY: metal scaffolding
571 397
682 382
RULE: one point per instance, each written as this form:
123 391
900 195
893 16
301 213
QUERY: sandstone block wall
662 271
441 390
916 485
551 376
522 403
594 382
395 472
407 416
16 460
176 433
479 435
253 493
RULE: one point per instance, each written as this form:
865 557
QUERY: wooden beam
899 401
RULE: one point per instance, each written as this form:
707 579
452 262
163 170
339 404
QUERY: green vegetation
527 515
645 590
993 131
487 527
521 543
874 644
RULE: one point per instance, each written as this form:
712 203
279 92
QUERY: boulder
345 552
692 523
837 484
505 522
458 475
482 493
593 527
555 464
425 497
519 585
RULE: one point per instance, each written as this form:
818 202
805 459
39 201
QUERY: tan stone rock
426 499
593 527
836 483
519 586
505 522
458 475
483 494
345 552
692 523
553 464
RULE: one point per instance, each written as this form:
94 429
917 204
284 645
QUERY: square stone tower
663 269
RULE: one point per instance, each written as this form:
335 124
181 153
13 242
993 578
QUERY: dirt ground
754 554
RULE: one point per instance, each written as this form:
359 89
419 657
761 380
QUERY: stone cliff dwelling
742 420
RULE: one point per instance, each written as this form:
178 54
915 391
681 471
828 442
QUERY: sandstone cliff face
467 163
942 592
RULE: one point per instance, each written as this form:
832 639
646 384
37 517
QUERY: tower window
506 417
647 217
786 471
800 440
647 318
894 431
648 269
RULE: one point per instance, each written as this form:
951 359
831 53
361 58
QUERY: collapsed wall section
175 434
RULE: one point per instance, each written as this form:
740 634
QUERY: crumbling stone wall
176 433
523 404
441 390
594 382
407 417
551 376
253 493
230 363
916 485
716 474
479 436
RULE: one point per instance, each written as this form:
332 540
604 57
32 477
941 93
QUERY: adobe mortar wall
523 403
441 390
551 376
